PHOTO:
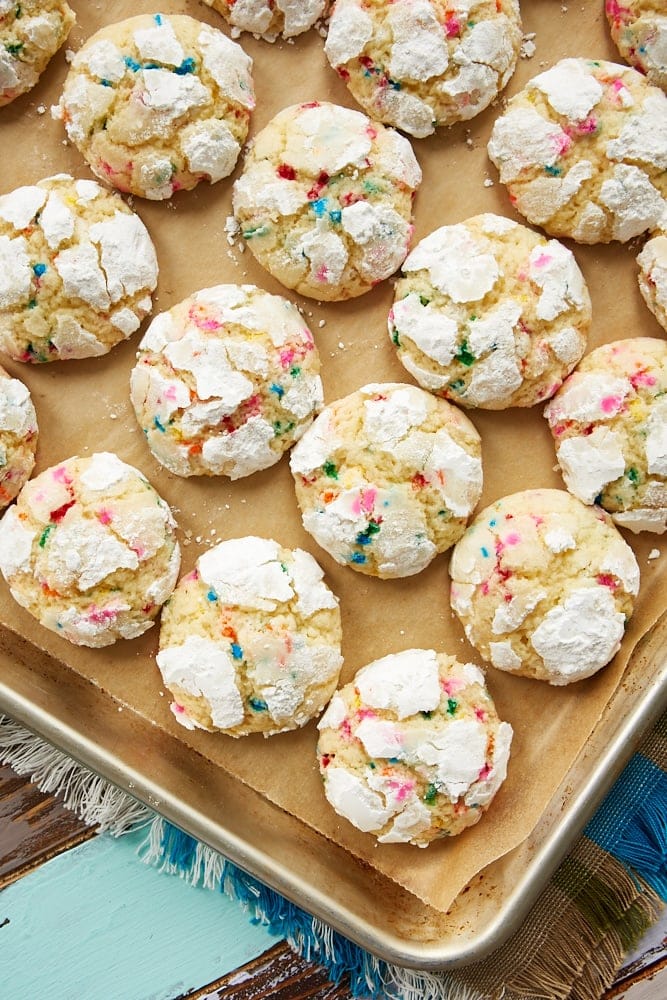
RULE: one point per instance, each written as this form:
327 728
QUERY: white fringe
93 799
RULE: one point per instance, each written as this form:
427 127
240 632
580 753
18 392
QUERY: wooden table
45 851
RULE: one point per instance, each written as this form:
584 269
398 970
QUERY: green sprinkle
14 48
295 371
452 705
457 385
464 355
45 534
430 795
255 231
424 301
552 171
394 337
633 475
330 470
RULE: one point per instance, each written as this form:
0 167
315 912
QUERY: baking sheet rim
573 807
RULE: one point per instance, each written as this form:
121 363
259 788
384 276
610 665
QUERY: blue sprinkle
257 705
237 652
278 389
358 557
132 64
211 596
492 522
157 18
335 215
106 83
156 423
394 84
485 552
319 207
363 538
187 66
152 65
39 269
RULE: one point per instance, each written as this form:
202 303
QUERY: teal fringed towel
605 895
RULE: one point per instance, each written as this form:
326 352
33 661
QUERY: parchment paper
83 406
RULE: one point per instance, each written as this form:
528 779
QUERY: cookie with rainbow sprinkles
324 201
490 314
89 549
77 270
544 585
225 382
609 425
250 641
387 477
413 749
582 150
157 103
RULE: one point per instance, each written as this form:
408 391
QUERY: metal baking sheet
106 707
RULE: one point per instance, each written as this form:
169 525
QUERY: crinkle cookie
156 104
18 436
488 313
270 19
31 32
250 640
77 270
387 478
420 64
639 31
225 382
583 151
652 276
89 549
325 200
609 423
412 749
544 586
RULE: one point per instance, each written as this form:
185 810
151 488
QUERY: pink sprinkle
452 27
562 143
366 713
191 577
104 515
611 404
481 714
102 616
401 789
201 321
322 272
542 260
452 685
642 378
513 538
177 709
61 475
287 357
587 126
484 773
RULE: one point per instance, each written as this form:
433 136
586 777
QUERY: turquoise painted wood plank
96 922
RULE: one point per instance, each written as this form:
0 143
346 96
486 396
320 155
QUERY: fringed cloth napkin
604 896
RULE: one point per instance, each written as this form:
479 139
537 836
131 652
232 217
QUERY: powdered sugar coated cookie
158 103
250 640
609 423
639 30
652 276
77 270
89 549
488 313
420 64
544 585
387 477
226 381
412 749
325 200
270 19
583 151
18 436
31 32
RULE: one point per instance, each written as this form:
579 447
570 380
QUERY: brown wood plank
278 974
33 826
